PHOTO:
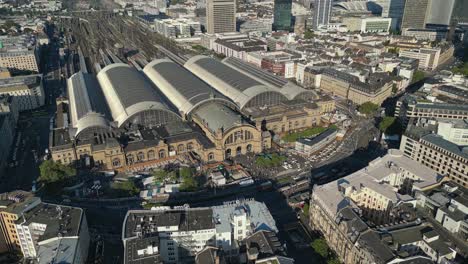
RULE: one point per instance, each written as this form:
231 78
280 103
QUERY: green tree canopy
126 188
291 137
199 48
320 246
189 183
305 210
393 50
462 69
175 2
333 260
368 108
53 171
465 54
159 176
418 76
185 172
10 23
309 34
394 88
390 125
184 175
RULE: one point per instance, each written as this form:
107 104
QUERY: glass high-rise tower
440 12
392 9
322 11
416 13
460 12
282 15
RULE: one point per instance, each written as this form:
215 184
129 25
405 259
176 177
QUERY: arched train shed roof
287 88
181 87
242 89
132 99
88 108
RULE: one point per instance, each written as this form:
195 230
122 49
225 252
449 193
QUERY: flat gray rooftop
260 217
441 106
63 221
447 145
131 251
58 251
145 220
30 81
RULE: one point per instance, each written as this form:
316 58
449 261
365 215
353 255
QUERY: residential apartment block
282 63
429 58
455 131
177 28
12 206
19 53
42 232
426 34
28 91
448 205
366 24
410 107
53 233
262 247
375 89
422 144
256 26
368 216
453 92
308 146
238 47
45 5
177 235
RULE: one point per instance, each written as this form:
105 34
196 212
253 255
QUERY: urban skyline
233 132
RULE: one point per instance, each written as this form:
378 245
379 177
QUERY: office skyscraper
322 10
441 12
416 13
460 12
220 16
282 15
392 9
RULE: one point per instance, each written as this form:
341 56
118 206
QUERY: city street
167 109
32 135
114 213
285 217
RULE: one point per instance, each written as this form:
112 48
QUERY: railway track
97 33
